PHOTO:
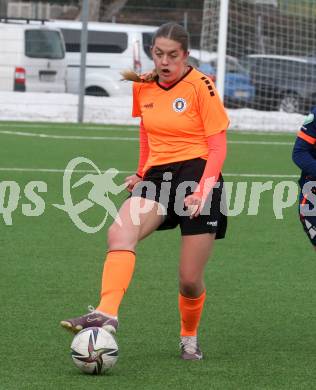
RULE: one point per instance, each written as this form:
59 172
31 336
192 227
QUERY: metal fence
270 62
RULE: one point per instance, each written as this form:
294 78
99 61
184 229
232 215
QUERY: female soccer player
178 182
304 156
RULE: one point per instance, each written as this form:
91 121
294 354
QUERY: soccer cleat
190 349
93 319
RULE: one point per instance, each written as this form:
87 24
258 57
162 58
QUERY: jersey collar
173 85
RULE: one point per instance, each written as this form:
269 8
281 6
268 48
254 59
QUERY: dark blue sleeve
303 157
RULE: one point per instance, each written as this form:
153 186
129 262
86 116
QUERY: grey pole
221 48
84 40
185 20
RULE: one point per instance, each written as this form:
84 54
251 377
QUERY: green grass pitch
258 329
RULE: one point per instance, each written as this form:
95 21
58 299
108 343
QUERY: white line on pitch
70 127
261 143
98 138
52 170
259 175
55 136
268 133
105 127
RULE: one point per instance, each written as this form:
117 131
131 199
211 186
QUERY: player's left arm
217 149
216 156
216 121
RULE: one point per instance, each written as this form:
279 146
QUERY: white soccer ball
94 350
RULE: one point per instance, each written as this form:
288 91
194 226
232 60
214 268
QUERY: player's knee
115 234
119 238
190 285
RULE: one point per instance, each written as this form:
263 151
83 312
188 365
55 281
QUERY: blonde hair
130 75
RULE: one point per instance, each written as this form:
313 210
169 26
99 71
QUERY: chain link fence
270 62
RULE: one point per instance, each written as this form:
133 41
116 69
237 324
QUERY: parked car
32 57
285 83
112 48
238 89
208 70
193 62
203 67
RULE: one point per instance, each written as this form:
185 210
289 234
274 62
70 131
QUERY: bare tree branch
109 10
4 7
94 10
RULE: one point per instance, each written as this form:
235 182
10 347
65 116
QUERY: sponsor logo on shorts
179 105
212 223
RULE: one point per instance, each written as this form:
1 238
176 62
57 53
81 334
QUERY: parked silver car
285 83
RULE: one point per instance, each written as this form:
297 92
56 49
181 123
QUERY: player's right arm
143 143
142 158
305 145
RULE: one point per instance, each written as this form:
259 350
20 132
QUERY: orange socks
190 313
117 274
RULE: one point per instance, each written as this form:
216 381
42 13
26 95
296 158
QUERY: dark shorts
169 184
308 221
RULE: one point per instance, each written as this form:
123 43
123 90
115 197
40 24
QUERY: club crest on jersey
179 105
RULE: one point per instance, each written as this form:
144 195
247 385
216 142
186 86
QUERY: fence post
84 41
221 48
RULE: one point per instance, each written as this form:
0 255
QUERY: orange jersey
178 119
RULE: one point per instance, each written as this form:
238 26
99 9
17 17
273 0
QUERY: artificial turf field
258 329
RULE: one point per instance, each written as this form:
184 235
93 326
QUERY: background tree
3 7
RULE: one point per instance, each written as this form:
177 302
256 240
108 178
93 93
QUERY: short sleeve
136 105
308 129
211 108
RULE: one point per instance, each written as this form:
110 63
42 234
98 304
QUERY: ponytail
130 75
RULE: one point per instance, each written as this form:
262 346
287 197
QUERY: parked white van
112 47
32 57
